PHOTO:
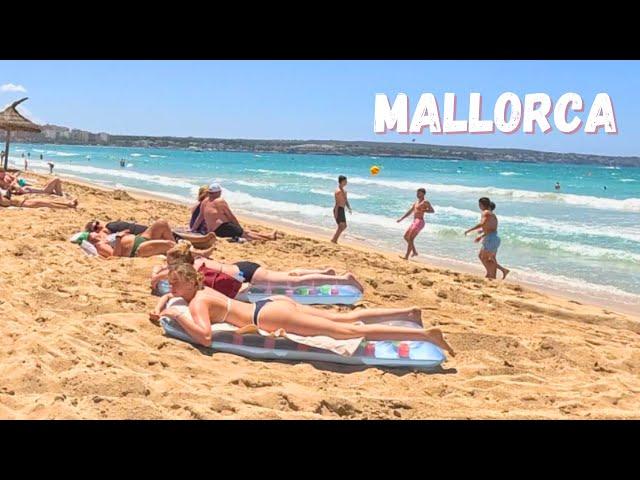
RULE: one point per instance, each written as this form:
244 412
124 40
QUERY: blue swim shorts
491 242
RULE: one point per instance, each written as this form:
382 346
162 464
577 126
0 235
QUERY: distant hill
63 135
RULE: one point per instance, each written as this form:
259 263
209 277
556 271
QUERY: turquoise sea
583 240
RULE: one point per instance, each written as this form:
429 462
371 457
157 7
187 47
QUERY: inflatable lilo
254 342
307 286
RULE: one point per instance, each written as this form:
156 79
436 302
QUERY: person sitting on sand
228 278
195 211
490 240
207 306
217 215
14 184
419 208
9 201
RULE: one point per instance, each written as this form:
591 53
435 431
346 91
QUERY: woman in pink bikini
419 208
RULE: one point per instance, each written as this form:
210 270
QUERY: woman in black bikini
207 306
252 272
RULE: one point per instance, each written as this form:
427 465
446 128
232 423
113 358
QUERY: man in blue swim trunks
490 239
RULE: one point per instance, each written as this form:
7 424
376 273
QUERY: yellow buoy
375 170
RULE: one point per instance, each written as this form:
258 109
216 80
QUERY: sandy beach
76 342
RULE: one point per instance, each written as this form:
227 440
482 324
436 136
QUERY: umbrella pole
6 151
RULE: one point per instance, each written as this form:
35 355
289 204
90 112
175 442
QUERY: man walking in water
419 208
490 239
338 208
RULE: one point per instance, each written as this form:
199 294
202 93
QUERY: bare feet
436 337
505 272
403 258
329 271
416 314
203 253
352 278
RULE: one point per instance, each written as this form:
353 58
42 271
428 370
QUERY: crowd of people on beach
213 289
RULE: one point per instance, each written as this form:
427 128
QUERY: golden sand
75 340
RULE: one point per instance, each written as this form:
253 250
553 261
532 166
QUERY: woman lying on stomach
206 306
227 278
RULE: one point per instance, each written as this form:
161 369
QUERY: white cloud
10 87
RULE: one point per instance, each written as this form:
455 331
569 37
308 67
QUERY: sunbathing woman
12 183
225 278
159 230
125 244
33 203
208 306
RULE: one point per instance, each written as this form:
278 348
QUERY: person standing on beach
419 208
557 187
51 165
490 239
338 208
26 164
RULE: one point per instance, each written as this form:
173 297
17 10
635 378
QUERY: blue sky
311 99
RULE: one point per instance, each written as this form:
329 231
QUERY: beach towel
88 248
254 343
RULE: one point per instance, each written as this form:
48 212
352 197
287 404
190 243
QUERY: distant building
80 135
103 137
50 134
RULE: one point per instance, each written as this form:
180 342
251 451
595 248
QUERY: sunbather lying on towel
206 306
159 230
12 183
227 278
151 242
39 203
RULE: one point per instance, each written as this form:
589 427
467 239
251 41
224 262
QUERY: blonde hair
179 254
202 192
186 272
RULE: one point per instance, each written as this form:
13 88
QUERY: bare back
227 269
213 305
215 212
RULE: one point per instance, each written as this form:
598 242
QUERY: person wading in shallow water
419 208
490 239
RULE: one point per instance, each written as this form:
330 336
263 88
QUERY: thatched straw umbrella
11 120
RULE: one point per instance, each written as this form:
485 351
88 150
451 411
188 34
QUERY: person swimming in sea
557 187
490 239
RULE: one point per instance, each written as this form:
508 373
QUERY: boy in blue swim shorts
490 239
